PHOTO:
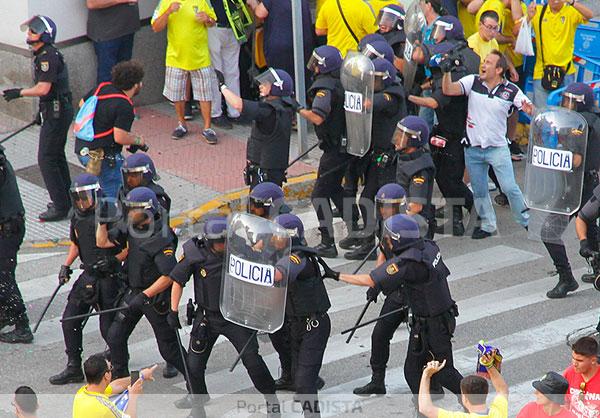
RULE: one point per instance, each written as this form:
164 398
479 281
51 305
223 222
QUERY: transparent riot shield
414 25
253 295
358 80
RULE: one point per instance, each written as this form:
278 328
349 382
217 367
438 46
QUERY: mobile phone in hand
135 375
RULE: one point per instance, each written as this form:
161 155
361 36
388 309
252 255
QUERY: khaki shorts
175 81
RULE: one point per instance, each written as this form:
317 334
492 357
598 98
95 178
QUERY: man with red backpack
103 125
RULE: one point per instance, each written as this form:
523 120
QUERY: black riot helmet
390 200
41 25
215 233
85 193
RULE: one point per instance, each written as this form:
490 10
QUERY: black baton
298 158
17 132
242 351
183 358
47 306
87 315
372 320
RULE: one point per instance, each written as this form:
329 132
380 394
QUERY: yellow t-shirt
187 39
358 15
507 30
498 409
494 6
93 404
481 47
467 20
558 35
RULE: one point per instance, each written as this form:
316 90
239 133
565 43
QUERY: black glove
220 79
64 274
138 301
372 294
173 320
585 250
106 265
446 65
329 273
295 105
132 149
11 94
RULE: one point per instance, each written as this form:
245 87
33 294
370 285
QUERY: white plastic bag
524 44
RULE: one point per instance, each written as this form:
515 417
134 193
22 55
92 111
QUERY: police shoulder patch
321 93
387 97
391 269
44 66
295 259
203 272
419 180
168 252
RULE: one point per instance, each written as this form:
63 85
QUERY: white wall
70 17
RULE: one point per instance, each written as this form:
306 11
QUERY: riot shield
251 295
358 80
555 161
414 25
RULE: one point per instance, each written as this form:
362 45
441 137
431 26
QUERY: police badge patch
295 259
203 272
391 269
45 66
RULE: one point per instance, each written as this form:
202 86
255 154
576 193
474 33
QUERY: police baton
87 315
395 311
298 158
37 325
17 132
362 314
242 351
184 359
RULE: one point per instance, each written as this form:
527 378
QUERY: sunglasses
491 28
582 387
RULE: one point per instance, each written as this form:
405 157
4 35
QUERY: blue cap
292 224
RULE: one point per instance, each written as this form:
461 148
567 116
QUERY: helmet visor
389 19
571 101
386 208
314 62
438 32
379 80
260 207
269 78
37 25
84 198
134 177
402 136
370 52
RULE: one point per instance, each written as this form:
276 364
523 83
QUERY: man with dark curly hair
112 120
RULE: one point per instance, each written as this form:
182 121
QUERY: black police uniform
56 113
268 147
327 97
415 172
589 199
422 272
396 39
161 195
206 266
151 255
451 115
309 324
389 106
12 231
97 287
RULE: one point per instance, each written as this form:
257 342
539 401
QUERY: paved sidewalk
192 172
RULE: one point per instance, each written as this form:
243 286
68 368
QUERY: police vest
395 38
409 165
333 128
592 154
429 296
207 273
384 123
59 89
271 150
307 294
141 269
84 228
11 204
161 195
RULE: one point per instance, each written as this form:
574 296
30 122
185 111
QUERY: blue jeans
110 178
478 160
540 94
109 53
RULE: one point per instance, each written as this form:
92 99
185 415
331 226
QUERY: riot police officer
55 112
418 266
390 21
139 170
97 286
268 147
388 108
326 96
305 312
378 49
151 257
12 231
389 201
203 257
415 170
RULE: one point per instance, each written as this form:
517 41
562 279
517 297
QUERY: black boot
375 387
71 374
169 371
20 335
286 381
353 239
590 277
566 283
365 249
326 248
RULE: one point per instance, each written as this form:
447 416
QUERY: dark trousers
281 343
52 159
111 52
449 170
123 326
328 186
555 225
276 176
238 336
384 331
376 176
12 308
432 337
308 348
73 329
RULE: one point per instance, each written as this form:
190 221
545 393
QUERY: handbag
554 75
524 45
